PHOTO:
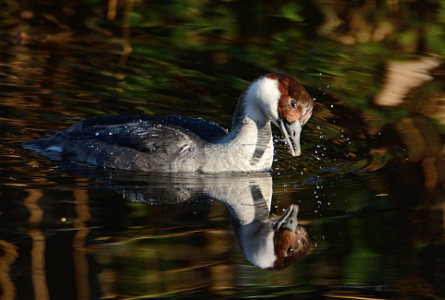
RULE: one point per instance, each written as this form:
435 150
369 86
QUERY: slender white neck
258 103
249 147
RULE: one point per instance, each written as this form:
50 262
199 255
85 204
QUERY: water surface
370 182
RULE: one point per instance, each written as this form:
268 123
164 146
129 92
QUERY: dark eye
290 251
293 103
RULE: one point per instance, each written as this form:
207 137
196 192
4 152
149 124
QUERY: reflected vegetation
38 265
107 262
370 183
9 255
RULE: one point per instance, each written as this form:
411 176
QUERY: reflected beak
289 220
291 133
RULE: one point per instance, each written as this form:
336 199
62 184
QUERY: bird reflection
268 243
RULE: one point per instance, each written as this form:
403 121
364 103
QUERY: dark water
370 183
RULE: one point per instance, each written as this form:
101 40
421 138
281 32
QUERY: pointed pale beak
291 133
289 220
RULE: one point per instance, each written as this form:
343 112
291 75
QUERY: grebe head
279 243
291 241
282 100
